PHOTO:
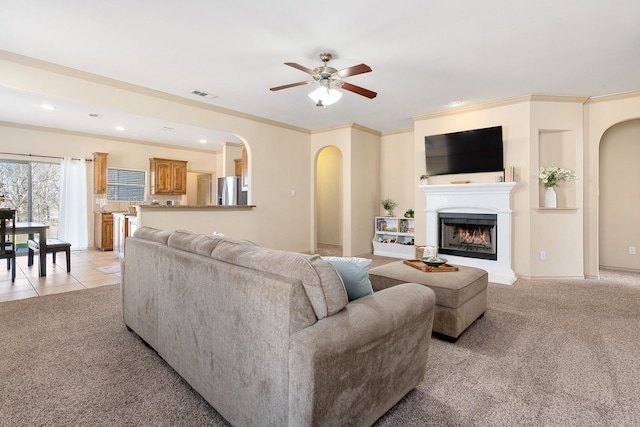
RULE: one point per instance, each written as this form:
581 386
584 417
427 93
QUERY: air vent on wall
203 94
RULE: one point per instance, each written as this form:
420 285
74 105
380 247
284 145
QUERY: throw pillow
354 273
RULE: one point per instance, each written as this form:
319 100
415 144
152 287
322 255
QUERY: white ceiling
424 54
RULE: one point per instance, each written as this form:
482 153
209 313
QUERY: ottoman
461 296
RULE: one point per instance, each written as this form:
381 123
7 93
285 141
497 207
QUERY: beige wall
329 196
364 189
600 115
397 152
557 135
537 131
619 205
360 150
230 152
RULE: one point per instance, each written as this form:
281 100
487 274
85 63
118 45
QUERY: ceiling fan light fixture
324 96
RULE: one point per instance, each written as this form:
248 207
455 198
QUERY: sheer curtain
72 225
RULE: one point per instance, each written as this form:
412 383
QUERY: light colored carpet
546 353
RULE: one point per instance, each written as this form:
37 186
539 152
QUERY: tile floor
84 274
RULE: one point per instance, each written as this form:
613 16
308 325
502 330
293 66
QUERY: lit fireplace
468 235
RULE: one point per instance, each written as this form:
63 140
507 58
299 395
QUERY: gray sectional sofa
268 337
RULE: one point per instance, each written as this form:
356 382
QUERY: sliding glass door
33 190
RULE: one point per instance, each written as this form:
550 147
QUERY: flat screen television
478 150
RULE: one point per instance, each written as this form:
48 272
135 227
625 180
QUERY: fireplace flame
475 236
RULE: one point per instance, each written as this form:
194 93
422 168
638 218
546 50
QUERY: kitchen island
232 220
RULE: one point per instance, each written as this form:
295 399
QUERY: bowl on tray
433 261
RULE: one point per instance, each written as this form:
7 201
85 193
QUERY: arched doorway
329 201
619 195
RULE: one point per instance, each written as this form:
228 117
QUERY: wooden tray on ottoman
416 263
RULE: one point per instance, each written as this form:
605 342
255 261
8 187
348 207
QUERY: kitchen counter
197 207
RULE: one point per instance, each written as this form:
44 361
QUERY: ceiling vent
166 128
95 116
203 94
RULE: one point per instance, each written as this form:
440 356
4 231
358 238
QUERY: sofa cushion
195 243
152 234
321 282
354 273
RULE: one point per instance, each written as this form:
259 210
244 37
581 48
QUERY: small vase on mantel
550 199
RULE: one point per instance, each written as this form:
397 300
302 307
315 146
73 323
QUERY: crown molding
141 90
504 102
614 97
398 132
347 126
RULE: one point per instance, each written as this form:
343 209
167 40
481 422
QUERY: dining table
31 229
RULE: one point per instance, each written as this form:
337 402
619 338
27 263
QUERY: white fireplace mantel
492 198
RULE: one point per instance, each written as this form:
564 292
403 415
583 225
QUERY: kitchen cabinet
133 224
123 226
100 173
103 231
168 176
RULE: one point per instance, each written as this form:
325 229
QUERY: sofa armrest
350 368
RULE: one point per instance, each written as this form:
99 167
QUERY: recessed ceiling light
454 103
166 128
203 141
120 128
47 107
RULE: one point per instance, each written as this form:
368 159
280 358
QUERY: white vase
550 199
387 213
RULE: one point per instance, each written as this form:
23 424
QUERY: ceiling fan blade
354 71
300 67
291 85
359 90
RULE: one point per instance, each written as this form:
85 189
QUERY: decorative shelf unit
394 237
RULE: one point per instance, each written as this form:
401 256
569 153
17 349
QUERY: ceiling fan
330 79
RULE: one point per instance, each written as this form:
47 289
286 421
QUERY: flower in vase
552 175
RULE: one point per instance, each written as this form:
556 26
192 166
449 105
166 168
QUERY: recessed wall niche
558 147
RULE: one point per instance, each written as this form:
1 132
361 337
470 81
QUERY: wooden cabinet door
161 171
103 231
100 173
179 177
168 176
107 232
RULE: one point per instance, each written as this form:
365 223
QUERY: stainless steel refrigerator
230 191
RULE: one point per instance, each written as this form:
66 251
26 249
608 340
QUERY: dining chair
8 239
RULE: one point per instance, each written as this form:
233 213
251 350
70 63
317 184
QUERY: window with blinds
126 185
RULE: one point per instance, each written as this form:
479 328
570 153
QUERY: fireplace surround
475 198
